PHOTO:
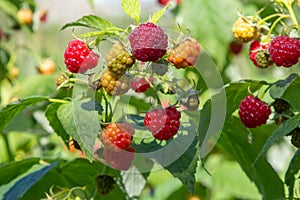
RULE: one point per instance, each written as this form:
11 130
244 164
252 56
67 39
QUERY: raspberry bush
146 106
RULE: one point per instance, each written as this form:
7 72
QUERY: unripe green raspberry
118 59
115 84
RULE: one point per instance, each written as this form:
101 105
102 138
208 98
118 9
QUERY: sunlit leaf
159 14
234 140
90 21
80 123
284 128
51 114
132 8
11 110
288 90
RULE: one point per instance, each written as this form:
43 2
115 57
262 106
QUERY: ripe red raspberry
118 158
253 112
163 123
235 47
185 54
118 59
141 84
43 16
148 42
285 51
163 2
259 54
79 58
118 134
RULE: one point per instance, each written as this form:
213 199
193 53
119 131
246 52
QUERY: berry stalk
273 26
58 101
288 6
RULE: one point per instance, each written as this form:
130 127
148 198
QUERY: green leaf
26 182
288 90
212 16
51 114
234 141
185 166
9 8
213 113
294 168
11 110
159 14
133 182
10 171
132 8
279 87
81 124
284 128
99 34
75 173
91 21
36 85
92 4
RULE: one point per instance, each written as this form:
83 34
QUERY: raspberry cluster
185 53
148 42
118 59
163 123
79 58
253 112
115 84
244 31
285 51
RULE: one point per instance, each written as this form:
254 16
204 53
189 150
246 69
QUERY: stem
269 17
77 80
58 101
274 25
9 154
291 11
